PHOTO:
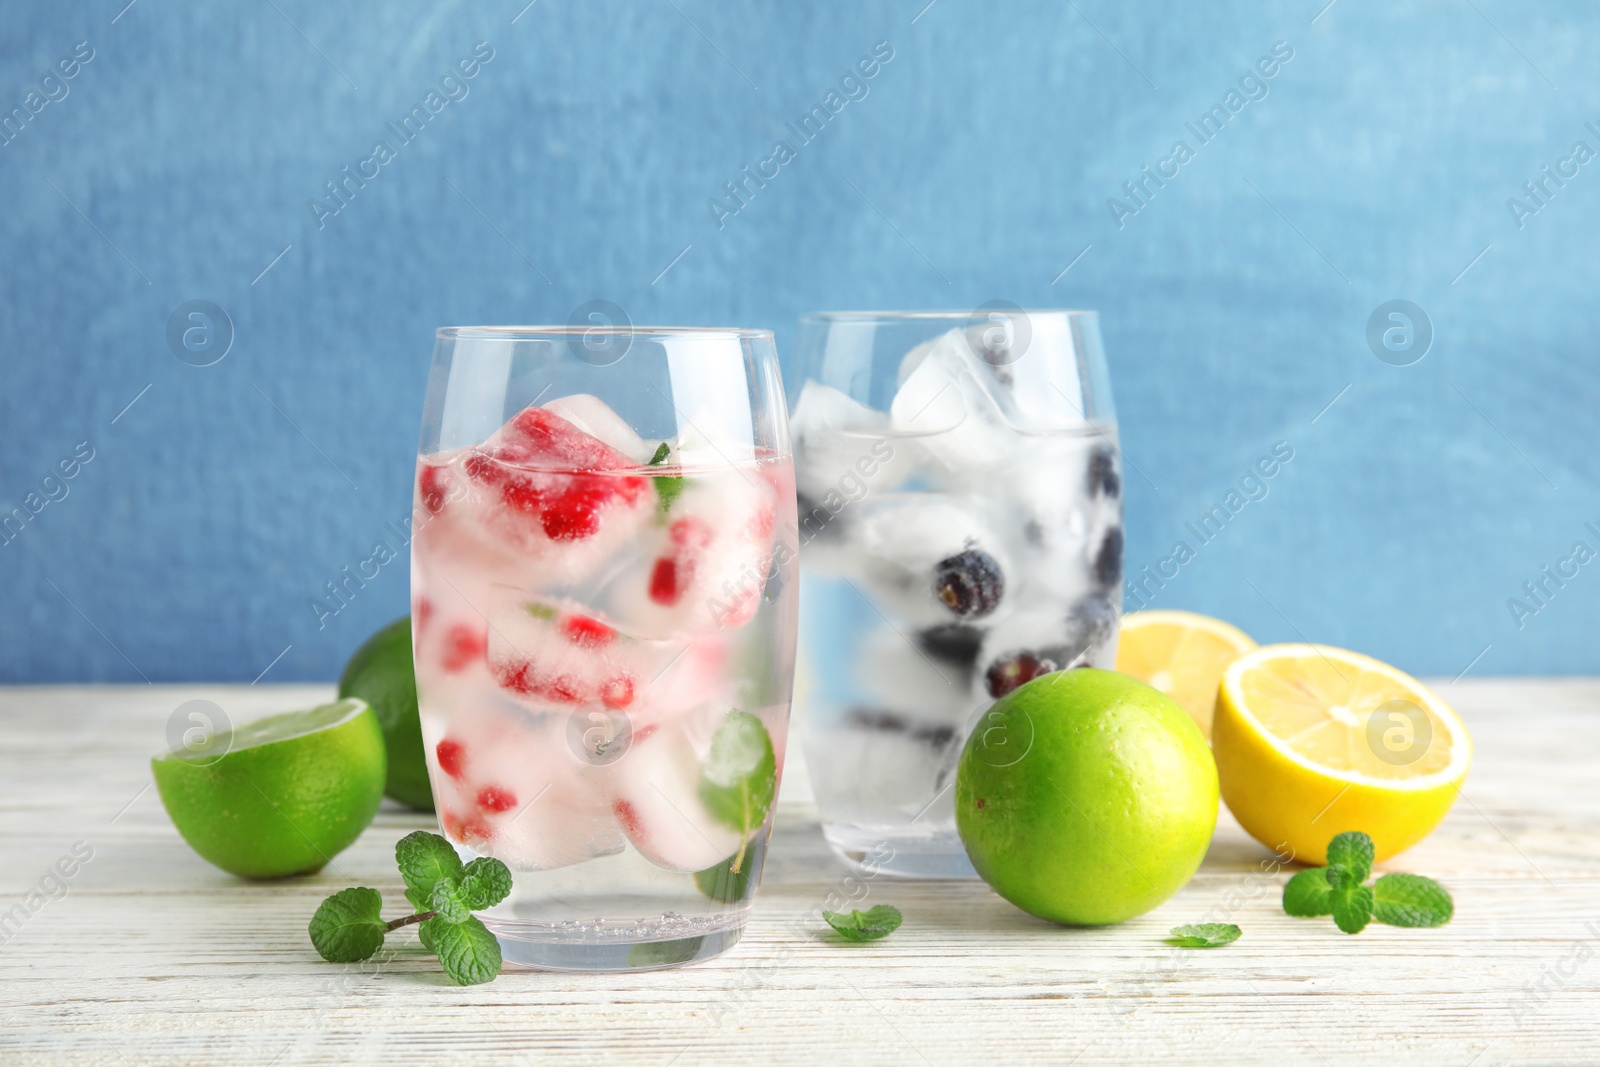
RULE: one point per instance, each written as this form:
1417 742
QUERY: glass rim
849 316
521 333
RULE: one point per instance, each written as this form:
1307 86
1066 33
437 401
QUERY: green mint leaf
1352 850
1341 877
1204 935
449 901
649 955
1411 900
1352 908
740 774
425 858
485 883
467 951
880 920
425 930
347 927
723 883
668 486
1308 893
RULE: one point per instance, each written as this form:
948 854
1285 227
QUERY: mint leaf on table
1411 900
468 951
1308 894
876 922
448 902
1339 890
1204 935
485 882
1352 851
1352 907
423 859
347 927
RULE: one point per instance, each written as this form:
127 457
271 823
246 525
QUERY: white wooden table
154 957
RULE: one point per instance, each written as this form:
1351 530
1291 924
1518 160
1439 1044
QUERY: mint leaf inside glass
347 927
740 775
724 883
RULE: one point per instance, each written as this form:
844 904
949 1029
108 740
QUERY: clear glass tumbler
604 617
961 533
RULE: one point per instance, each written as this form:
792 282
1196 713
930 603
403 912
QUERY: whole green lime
381 673
279 796
1086 797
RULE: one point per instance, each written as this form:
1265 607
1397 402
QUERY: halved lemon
1183 655
1312 741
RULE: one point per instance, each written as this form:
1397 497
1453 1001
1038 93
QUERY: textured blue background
979 166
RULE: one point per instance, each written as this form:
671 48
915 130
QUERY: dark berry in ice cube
816 521
1103 477
969 583
891 723
1091 622
952 643
1108 559
1008 672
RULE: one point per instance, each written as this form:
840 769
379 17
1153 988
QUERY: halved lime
281 795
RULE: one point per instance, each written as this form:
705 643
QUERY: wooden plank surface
151 956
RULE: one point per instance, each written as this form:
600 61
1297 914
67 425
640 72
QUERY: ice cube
654 792
903 679
1040 640
948 399
553 655
509 787
1049 516
545 490
705 565
842 448
930 559
880 767
594 417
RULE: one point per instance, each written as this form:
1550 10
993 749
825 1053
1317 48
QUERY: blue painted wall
585 156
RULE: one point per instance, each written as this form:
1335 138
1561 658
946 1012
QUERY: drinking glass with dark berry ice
961 534
603 615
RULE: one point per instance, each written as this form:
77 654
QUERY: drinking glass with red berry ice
604 624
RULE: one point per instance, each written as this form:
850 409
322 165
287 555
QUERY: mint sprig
876 922
1340 890
1204 935
348 926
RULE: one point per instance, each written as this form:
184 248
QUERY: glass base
647 945
898 854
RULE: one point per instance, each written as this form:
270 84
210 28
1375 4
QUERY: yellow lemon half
1183 655
1312 741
